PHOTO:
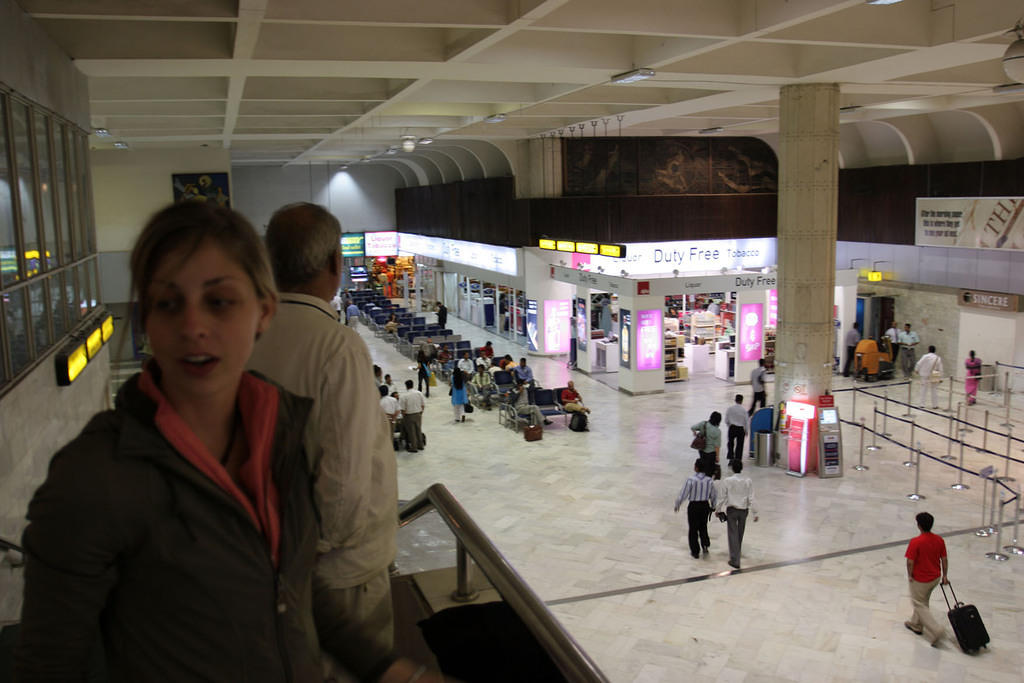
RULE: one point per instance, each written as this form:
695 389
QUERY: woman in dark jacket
181 525
422 372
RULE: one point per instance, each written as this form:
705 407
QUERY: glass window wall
25 166
44 148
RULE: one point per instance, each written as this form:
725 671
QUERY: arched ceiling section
923 143
449 170
882 144
492 159
467 162
411 174
1007 124
962 136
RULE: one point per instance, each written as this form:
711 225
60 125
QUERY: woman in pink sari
973 366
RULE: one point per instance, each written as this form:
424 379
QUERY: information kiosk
801 456
830 439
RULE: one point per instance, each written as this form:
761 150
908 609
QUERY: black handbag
467 408
699 441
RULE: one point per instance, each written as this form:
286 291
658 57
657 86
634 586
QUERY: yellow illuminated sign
875 276
586 247
94 342
107 328
547 244
70 363
613 250
566 245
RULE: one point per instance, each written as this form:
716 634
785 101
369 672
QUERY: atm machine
830 439
799 432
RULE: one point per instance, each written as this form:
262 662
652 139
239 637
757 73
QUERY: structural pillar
808 199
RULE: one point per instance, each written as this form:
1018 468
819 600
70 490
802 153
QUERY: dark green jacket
125 533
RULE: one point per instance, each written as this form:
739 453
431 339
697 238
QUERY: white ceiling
299 81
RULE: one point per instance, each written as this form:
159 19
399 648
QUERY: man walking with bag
707 440
927 564
699 489
736 503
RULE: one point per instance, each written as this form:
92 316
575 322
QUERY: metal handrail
566 653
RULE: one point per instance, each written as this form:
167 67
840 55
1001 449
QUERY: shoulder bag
699 441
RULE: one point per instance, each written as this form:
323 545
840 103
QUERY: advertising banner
485 256
531 325
702 256
582 324
383 243
773 308
649 339
352 244
624 337
978 222
556 325
751 329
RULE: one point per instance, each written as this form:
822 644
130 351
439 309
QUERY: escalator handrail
566 653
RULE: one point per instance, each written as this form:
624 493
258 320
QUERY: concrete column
808 197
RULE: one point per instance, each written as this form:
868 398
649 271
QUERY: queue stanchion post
965 426
860 466
910 447
949 400
995 554
949 440
1009 444
983 530
874 431
1013 548
885 414
853 410
984 436
910 403
916 495
960 485
1006 399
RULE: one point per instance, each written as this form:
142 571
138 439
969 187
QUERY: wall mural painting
669 166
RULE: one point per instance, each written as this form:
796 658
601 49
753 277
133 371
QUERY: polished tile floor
587 520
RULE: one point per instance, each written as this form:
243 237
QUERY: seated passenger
572 401
484 385
486 351
527 409
391 326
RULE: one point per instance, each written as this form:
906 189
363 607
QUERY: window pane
57 305
17 336
73 190
88 229
60 173
83 290
71 296
26 186
46 191
8 247
40 319
94 284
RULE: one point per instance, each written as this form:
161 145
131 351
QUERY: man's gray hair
301 239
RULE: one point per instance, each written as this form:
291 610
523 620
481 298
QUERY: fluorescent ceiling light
883 2
633 76
711 131
120 145
391 150
496 118
1008 88
102 132
425 141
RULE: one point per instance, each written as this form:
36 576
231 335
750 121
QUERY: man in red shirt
572 401
926 566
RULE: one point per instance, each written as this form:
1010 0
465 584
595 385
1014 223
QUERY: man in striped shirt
699 489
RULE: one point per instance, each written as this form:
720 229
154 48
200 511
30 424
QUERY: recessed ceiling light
633 76
120 145
496 118
711 131
425 141
102 132
883 2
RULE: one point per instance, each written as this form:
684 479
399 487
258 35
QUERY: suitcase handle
956 603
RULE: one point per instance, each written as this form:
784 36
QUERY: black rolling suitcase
967 624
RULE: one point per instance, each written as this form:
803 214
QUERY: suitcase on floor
578 422
967 624
533 432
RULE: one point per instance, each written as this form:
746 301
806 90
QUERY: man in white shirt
908 351
757 384
737 420
735 502
389 404
412 405
929 369
348 441
894 341
466 365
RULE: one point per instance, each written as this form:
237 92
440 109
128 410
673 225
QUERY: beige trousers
920 594
362 618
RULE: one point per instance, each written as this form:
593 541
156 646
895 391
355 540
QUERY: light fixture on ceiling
632 76
1013 58
343 167
120 145
848 108
883 2
495 118
1008 88
711 131
391 150
102 132
408 143
424 141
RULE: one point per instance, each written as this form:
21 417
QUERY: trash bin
764 446
988 378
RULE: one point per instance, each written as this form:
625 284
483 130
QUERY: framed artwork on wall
204 187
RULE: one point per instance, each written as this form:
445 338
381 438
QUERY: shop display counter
607 356
697 357
725 362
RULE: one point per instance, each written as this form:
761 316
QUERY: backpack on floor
578 422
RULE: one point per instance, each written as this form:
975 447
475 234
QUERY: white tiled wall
36 418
